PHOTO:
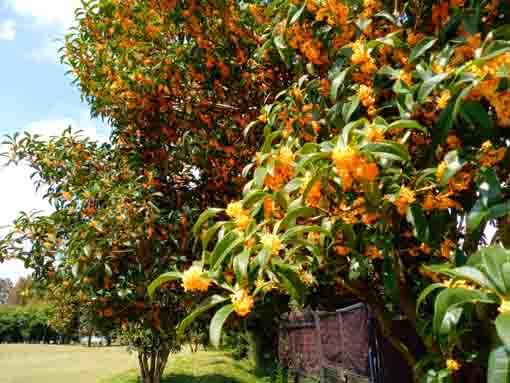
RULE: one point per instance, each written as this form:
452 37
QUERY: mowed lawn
62 364
200 367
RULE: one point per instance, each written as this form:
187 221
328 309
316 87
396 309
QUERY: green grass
201 367
20 363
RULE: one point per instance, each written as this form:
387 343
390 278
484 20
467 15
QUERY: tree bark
152 365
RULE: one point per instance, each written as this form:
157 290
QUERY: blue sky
35 94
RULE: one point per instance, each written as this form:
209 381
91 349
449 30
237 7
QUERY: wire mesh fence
341 346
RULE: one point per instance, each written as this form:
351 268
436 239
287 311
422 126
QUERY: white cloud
13 269
7 30
54 12
18 193
46 53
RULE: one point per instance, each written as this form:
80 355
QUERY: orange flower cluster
440 202
405 198
446 248
281 175
460 182
271 242
422 249
194 280
361 56
314 195
491 156
333 12
356 212
366 95
300 37
238 214
375 134
243 302
373 252
352 166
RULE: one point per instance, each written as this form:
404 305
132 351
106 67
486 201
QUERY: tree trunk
152 365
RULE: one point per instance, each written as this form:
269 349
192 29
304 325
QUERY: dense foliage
341 146
387 152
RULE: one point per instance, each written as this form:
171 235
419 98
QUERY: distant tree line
27 324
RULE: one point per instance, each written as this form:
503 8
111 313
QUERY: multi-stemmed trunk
152 364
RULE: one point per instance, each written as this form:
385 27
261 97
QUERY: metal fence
341 346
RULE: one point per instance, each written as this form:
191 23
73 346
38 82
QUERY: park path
24 363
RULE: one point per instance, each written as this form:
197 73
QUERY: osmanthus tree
387 153
103 241
176 82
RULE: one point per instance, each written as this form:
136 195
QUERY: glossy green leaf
205 306
498 370
418 221
429 85
289 218
451 298
397 151
290 279
253 197
298 230
503 328
204 217
217 322
163 278
421 47
407 124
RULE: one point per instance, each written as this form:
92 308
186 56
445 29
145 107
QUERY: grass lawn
61 364
201 367
78 364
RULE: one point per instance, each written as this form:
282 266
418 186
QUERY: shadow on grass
208 378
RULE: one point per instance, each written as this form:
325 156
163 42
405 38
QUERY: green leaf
260 176
163 278
346 131
290 217
217 323
444 123
418 221
425 293
223 247
451 298
279 42
210 233
407 124
206 305
293 185
429 85
499 210
297 14
498 370
421 47
476 216
253 197
492 265
472 274
503 328
297 230
451 319
336 83
293 284
453 164
490 188
388 149
206 215
241 262
349 108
